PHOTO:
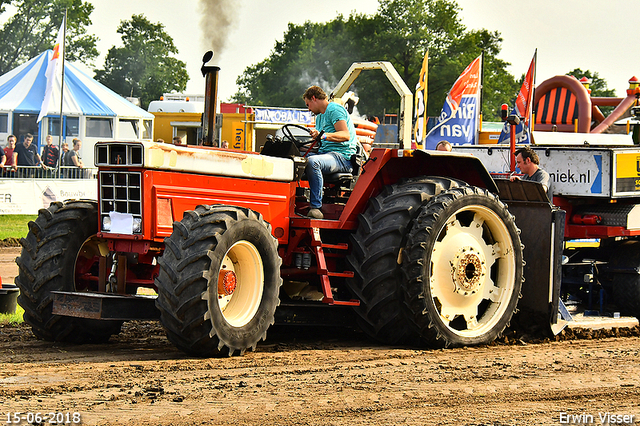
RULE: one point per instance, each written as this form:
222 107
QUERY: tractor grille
121 192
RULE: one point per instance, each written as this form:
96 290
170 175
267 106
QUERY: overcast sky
599 37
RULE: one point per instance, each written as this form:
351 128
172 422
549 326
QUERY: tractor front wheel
219 281
60 254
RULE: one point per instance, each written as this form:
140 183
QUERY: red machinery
416 242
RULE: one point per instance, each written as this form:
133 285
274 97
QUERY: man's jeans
317 164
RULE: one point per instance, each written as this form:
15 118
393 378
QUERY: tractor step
336 246
105 306
346 274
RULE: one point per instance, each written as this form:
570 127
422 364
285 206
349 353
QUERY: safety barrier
37 172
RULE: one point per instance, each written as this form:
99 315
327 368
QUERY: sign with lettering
29 196
573 171
283 116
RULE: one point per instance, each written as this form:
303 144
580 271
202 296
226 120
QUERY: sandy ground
315 376
8 267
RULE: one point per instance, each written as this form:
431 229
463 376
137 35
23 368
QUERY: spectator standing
8 150
63 159
72 157
26 155
50 153
65 150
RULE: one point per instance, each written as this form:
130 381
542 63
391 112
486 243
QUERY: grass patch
12 319
15 225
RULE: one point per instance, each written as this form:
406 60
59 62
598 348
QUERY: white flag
54 68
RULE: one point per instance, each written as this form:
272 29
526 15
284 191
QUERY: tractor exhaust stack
210 73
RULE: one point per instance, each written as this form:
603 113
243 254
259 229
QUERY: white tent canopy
91 111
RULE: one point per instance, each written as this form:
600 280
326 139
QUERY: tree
143 67
34 27
309 54
598 85
400 32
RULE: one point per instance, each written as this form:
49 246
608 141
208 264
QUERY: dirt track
319 377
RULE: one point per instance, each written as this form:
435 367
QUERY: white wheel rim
472 271
243 263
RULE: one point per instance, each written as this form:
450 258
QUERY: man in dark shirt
25 154
529 163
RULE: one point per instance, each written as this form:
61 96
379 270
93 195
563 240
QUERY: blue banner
458 121
459 126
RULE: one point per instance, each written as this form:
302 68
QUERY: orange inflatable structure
366 132
563 104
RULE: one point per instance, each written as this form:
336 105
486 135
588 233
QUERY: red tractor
417 243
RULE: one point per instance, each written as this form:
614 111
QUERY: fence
37 172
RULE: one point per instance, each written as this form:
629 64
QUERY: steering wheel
301 142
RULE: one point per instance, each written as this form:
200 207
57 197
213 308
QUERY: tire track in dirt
296 379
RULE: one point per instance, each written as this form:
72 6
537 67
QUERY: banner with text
29 196
282 116
458 120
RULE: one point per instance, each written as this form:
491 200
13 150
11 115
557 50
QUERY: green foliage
34 28
598 85
15 225
400 32
14 318
143 67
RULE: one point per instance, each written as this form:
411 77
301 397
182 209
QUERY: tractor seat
338 177
345 178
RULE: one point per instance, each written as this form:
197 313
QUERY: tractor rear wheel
60 254
219 281
463 268
374 258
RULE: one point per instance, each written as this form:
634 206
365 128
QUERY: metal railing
38 172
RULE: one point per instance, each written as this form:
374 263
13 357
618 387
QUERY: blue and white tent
91 111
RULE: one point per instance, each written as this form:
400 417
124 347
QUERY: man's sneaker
315 214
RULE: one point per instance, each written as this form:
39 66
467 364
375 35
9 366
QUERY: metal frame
406 95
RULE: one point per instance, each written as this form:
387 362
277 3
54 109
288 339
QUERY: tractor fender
455 165
388 166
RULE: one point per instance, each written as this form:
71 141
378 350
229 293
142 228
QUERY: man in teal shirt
338 144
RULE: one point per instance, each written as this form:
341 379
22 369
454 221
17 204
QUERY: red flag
525 96
467 84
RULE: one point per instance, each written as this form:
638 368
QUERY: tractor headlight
137 225
106 223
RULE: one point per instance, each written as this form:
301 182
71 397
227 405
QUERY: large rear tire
463 266
57 252
374 258
219 281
